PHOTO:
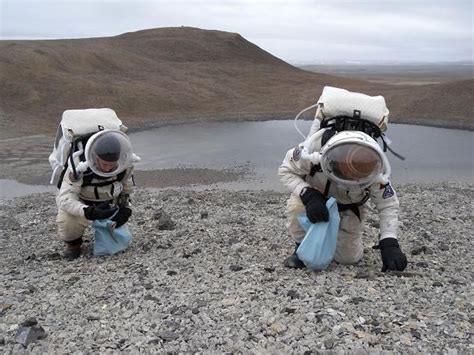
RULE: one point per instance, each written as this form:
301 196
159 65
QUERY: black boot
293 261
73 249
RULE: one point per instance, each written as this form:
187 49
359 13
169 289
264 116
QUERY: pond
256 149
432 154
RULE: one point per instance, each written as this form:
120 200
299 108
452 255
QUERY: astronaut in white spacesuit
339 160
101 191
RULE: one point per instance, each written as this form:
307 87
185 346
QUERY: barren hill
167 75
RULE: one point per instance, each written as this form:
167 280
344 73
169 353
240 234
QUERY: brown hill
185 74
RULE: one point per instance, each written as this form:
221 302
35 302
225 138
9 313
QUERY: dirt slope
168 75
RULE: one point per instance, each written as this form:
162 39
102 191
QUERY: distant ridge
169 75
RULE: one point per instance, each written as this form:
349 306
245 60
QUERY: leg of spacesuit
294 207
349 249
70 227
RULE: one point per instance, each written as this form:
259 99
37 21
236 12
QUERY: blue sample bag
108 239
317 249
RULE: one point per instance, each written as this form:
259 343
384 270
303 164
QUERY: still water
258 148
432 154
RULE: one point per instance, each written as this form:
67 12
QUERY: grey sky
298 31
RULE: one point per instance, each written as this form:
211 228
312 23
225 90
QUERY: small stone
415 333
428 251
204 215
167 335
418 250
278 328
329 343
171 272
27 335
443 247
269 269
53 256
92 317
29 322
357 300
73 279
235 268
289 310
4 307
164 221
228 301
406 340
293 294
31 257
151 298
437 284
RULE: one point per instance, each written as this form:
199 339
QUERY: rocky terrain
204 274
176 75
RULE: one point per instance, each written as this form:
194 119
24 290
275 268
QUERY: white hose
298 115
314 157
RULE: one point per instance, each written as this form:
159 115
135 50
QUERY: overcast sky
298 31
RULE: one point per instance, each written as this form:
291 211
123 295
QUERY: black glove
122 216
392 256
315 203
101 211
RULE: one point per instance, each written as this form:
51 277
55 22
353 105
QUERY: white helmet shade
108 153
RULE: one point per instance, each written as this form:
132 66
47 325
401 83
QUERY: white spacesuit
100 191
350 166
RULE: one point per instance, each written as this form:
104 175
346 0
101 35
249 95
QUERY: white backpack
73 132
341 109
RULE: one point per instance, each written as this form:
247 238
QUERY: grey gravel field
205 274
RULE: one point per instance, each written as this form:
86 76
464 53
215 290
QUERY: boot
73 249
293 262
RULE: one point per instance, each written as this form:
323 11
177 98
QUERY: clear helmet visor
108 153
352 164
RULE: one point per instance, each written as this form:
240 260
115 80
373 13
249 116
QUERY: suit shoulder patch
296 153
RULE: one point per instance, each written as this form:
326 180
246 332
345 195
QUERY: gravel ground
204 274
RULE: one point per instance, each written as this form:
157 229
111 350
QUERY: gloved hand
122 216
315 204
101 211
392 256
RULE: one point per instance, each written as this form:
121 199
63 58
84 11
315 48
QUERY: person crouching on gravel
101 191
342 159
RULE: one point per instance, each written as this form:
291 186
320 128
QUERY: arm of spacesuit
387 205
68 196
293 170
128 188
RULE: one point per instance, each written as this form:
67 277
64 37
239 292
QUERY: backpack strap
89 176
355 123
354 207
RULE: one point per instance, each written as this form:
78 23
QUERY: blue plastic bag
317 249
108 239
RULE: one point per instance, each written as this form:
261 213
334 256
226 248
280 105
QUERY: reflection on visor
353 162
